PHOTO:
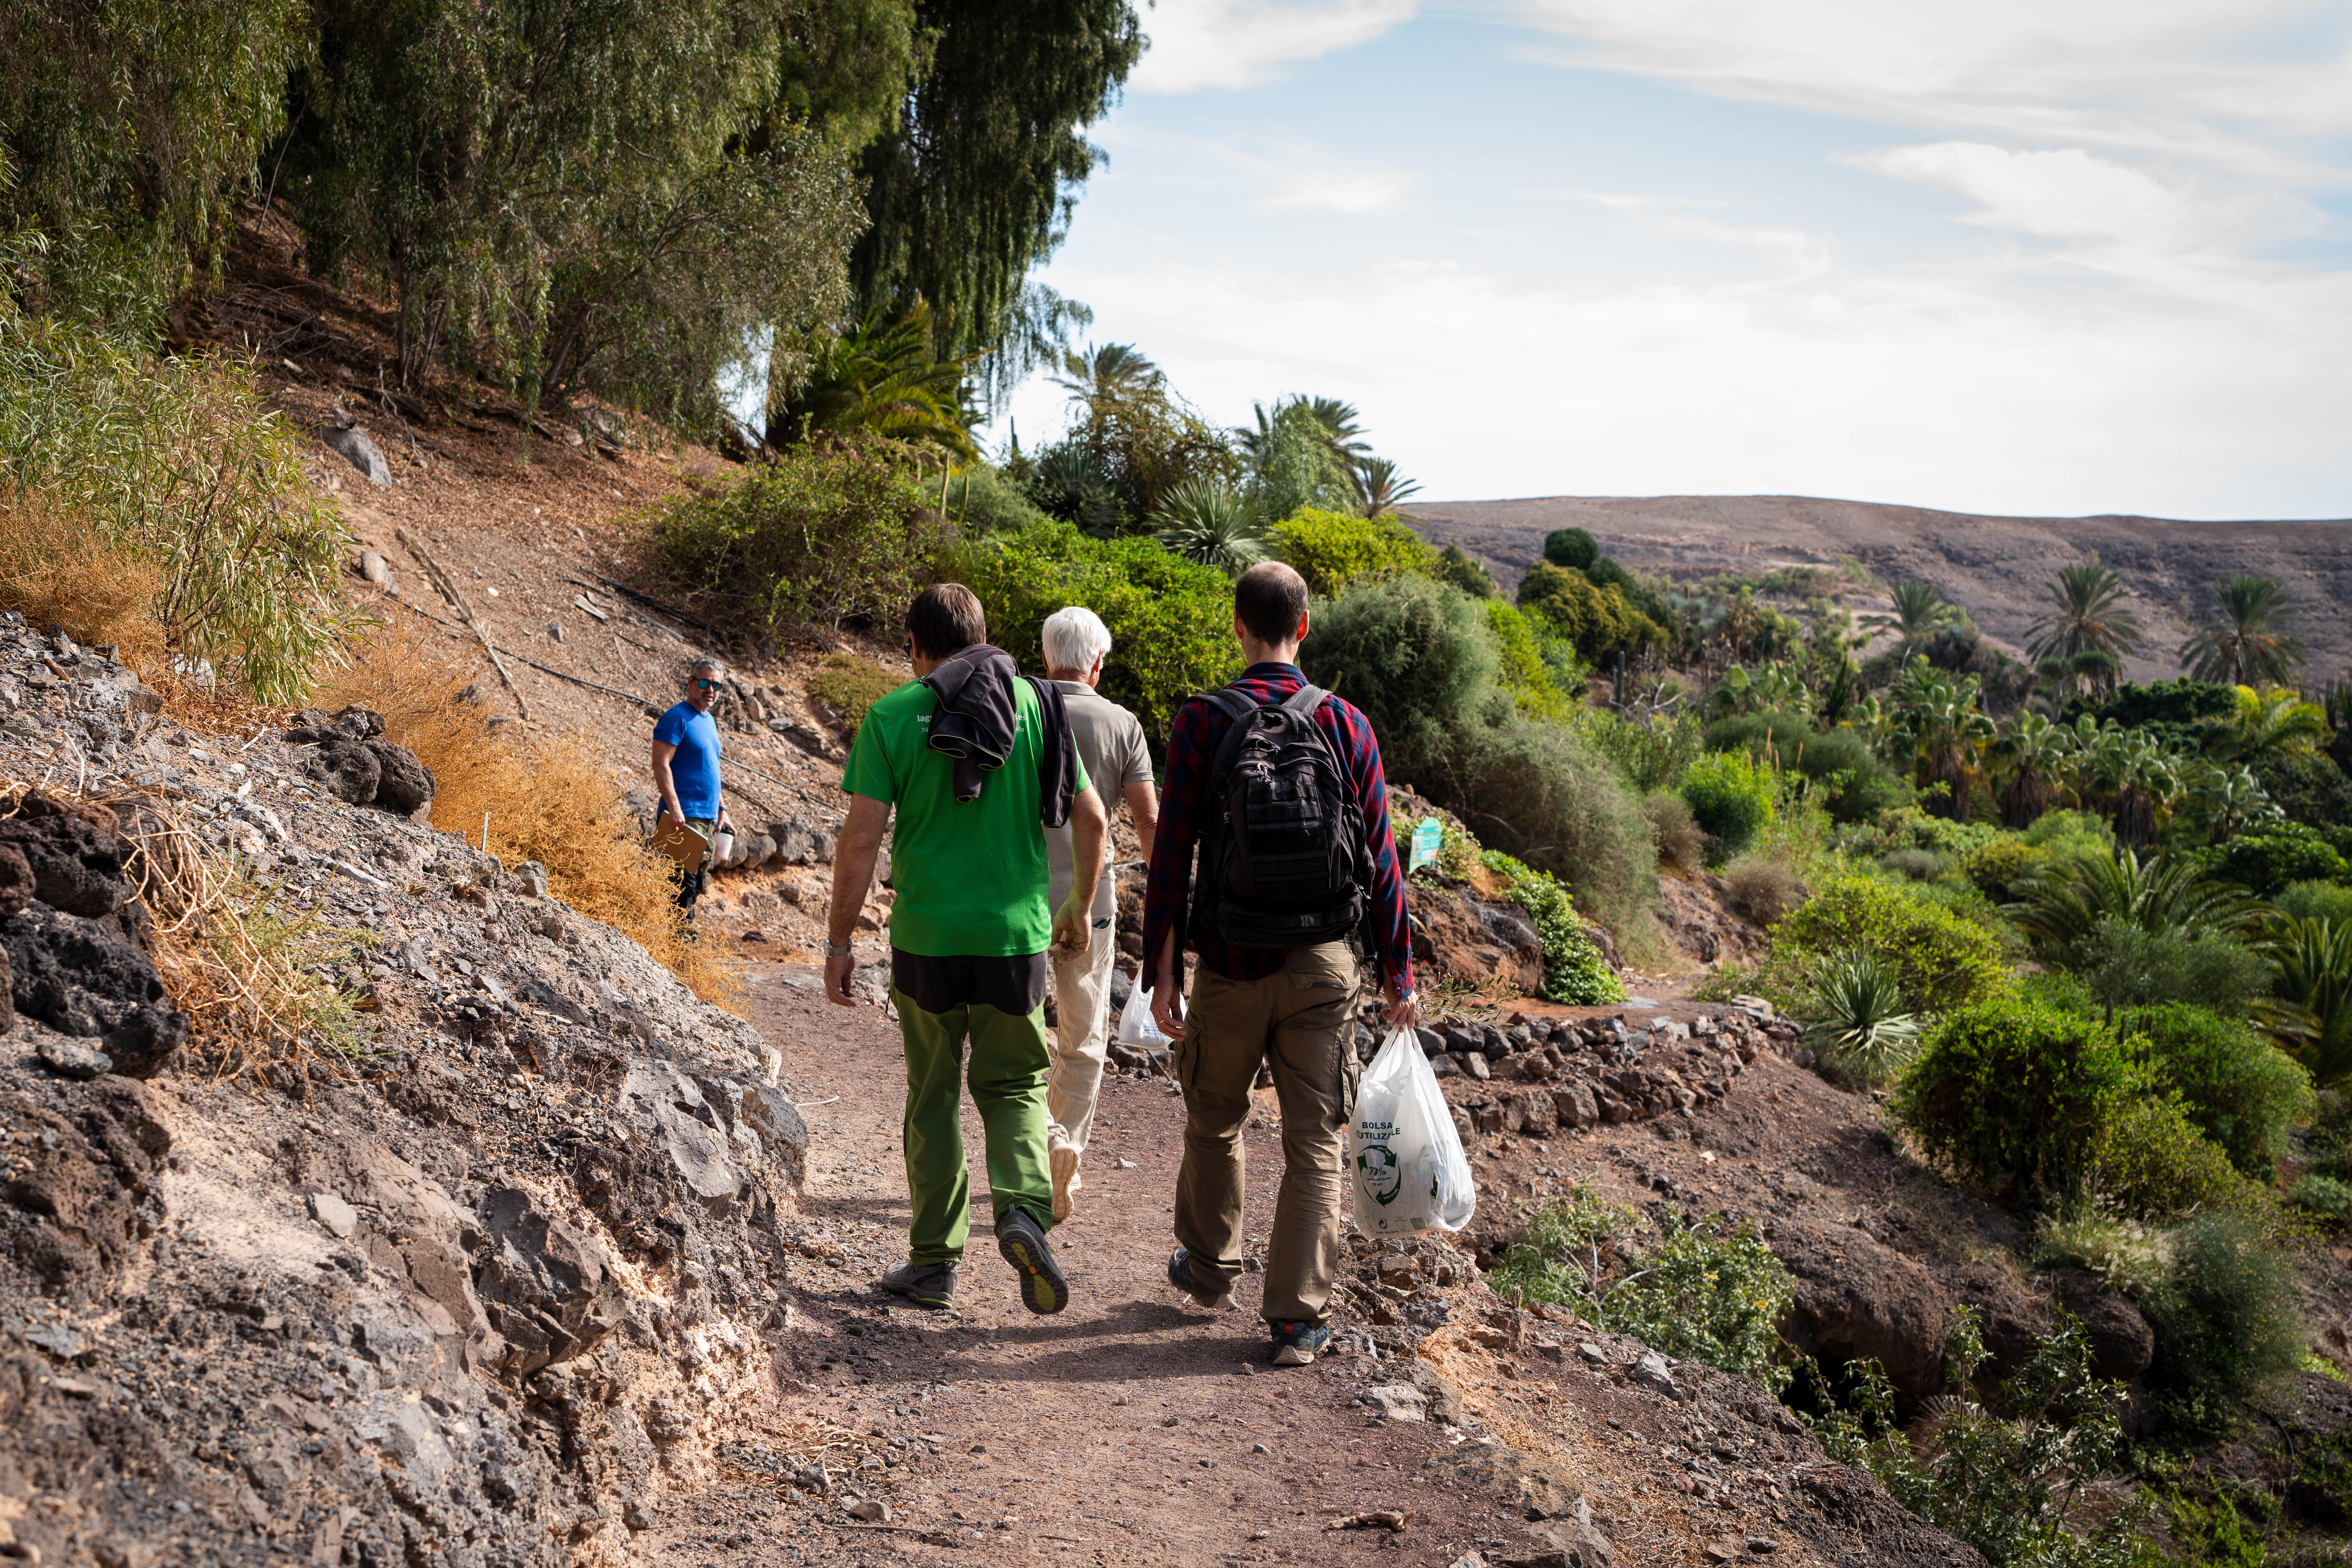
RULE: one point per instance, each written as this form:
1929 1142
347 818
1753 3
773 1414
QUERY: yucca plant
1210 523
1860 1031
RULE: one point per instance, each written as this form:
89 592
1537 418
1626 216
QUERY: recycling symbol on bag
1377 1164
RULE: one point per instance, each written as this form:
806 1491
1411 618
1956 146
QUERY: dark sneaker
924 1284
1180 1274
1297 1345
1023 1242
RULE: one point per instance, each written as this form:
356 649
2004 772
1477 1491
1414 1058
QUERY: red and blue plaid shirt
1192 741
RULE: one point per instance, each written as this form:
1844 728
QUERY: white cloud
1942 386
2180 78
1199 44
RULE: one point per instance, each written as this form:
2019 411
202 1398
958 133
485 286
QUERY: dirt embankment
1995 567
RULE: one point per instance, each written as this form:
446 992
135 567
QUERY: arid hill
1994 566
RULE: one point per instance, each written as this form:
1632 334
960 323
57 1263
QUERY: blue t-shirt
695 767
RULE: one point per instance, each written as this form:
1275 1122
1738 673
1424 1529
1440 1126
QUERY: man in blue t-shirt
686 769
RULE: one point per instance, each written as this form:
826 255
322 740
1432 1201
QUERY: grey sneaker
1180 1274
924 1284
1021 1240
1297 1345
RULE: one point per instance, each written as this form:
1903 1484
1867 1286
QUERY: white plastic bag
1404 1151
1137 1026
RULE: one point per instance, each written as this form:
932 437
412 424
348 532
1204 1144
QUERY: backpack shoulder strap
1305 701
1237 708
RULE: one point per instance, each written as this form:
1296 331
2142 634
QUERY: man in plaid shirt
1293 1009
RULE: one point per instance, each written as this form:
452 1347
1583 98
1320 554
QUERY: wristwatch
836 949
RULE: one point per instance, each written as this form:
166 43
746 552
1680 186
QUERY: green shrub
1945 961
2315 900
818 539
1542 794
1467 572
1332 549
2126 966
2085 1229
1570 547
1996 867
2268 861
1573 969
1421 661
2015 1475
2239 1088
983 502
1732 798
1710 1292
180 464
852 685
1916 864
2227 1322
2154 1162
1535 665
1170 619
2081 834
1650 753
1600 621
2322 1196
2012 1095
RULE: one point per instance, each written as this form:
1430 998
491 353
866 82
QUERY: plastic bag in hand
1404 1155
1137 1026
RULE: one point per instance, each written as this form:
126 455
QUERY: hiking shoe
924 1284
1297 1345
1066 1178
1180 1274
1021 1240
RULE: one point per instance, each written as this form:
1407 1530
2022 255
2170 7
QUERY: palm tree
1208 521
878 376
2275 721
2246 641
1341 426
2065 902
2315 961
2031 751
2086 615
1946 731
1379 486
1107 374
1919 612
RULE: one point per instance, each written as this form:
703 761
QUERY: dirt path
1131 1428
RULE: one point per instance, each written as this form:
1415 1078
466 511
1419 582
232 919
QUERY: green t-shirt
970 875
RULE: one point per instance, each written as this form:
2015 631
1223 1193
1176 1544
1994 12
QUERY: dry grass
548 801
56 570
1761 888
240 969
1682 847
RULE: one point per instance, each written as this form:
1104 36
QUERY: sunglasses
702 685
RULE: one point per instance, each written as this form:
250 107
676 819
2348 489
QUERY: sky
2032 256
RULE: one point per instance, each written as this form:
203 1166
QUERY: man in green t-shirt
970 930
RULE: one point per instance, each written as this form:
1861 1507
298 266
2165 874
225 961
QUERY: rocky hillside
1993 566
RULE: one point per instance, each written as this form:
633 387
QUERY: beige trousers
1300 1022
1081 1040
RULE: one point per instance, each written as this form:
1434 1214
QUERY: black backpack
1282 861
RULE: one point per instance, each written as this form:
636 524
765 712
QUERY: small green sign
1427 839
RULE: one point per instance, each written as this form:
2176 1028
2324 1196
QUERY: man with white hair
1110 744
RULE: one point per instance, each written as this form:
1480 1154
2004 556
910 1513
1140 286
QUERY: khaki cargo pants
1301 1022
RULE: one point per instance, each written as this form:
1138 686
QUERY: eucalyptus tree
2246 641
973 183
2085 615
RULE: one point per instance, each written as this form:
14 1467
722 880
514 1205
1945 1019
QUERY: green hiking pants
942 1002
